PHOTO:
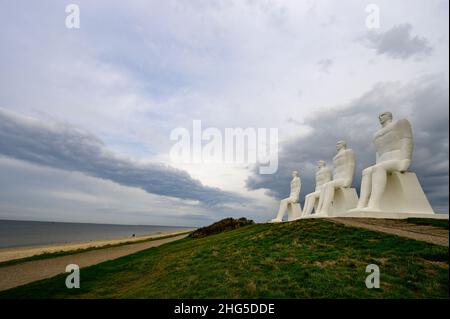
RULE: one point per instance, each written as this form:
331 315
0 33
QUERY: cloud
62 146
398 43
325 65
228 63
36 192
423 101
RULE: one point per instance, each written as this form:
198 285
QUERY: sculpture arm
329 176
351 164
351 159
406 139
298 185
295 189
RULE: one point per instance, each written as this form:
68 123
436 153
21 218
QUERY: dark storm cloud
424 102
397 43
62 146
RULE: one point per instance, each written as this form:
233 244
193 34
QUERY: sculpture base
275 221
403 195
344 199
403 198
294 211
391 215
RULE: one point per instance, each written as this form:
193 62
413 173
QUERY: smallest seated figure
291 203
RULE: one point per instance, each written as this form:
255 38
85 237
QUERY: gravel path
430 234
24 273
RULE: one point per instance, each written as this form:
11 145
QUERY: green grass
81 250
303 259
442 223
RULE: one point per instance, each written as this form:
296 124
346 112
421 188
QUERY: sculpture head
341 145
321 164
294 174
384 118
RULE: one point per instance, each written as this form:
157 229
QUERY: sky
86 113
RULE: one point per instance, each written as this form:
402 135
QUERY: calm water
15 233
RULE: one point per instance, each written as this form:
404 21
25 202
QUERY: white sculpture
385 186
291 203
323 175
343 171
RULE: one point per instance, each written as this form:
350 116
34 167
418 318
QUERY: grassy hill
303 259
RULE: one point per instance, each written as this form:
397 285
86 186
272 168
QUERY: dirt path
20 274
11 253
430 234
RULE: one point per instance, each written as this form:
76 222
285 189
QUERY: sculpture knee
347 183
328 187
378 169
367 171
403 165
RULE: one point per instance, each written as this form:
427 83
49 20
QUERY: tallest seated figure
385 186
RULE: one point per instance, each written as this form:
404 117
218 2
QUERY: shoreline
13 253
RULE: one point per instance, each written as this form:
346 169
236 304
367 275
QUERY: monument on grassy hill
323 175
337 196
387 186
291 203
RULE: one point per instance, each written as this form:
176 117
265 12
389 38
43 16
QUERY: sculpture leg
281 210
327 197
321 197
310 200
366 187
379 178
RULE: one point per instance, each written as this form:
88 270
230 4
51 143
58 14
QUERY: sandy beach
26 272
12 253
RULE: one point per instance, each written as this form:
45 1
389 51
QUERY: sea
15 233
